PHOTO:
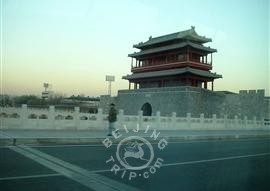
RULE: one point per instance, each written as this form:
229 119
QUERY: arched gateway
147 109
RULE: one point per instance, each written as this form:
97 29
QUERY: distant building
46 94
86 104
171 73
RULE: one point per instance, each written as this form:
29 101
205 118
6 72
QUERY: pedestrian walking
112 117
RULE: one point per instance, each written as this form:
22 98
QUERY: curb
67 141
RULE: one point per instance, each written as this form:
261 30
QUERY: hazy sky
73 44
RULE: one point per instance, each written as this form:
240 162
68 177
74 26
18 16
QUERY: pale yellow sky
74 46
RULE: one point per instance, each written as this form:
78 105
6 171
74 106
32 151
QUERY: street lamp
110 79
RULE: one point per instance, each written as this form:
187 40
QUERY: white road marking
196 161
5 135
215 159
86 178
31 176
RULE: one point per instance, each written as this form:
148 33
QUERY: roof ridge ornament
192 27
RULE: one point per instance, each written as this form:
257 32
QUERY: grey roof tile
189 34
172 72
171 47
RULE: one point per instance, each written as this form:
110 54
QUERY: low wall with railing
29 118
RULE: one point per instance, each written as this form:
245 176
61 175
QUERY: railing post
120 118
100 116
214 120
255 120
158 119
189 120
201 118
173 124
225 121
245 121
51 115
77 117
24 114
140 118
262 123
236 119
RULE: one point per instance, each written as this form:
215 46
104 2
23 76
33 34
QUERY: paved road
188 165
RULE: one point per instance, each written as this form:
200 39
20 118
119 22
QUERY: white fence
28 118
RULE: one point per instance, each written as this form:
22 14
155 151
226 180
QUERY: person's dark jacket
112 115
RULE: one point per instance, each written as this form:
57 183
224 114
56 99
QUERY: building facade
178 59
173 73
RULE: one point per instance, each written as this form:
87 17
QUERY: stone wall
181 100
252 103
192 100
267 108
231 105
105 101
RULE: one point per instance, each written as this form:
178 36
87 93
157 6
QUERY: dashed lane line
216 159
196 161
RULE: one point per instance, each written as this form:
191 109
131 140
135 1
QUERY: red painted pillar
205 85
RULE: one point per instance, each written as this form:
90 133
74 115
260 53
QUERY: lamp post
110 79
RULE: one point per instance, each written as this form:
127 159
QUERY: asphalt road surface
240 164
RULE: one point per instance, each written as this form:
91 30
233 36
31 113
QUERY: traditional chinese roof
189 34
171 47
172 72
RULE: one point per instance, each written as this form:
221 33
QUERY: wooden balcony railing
141 67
